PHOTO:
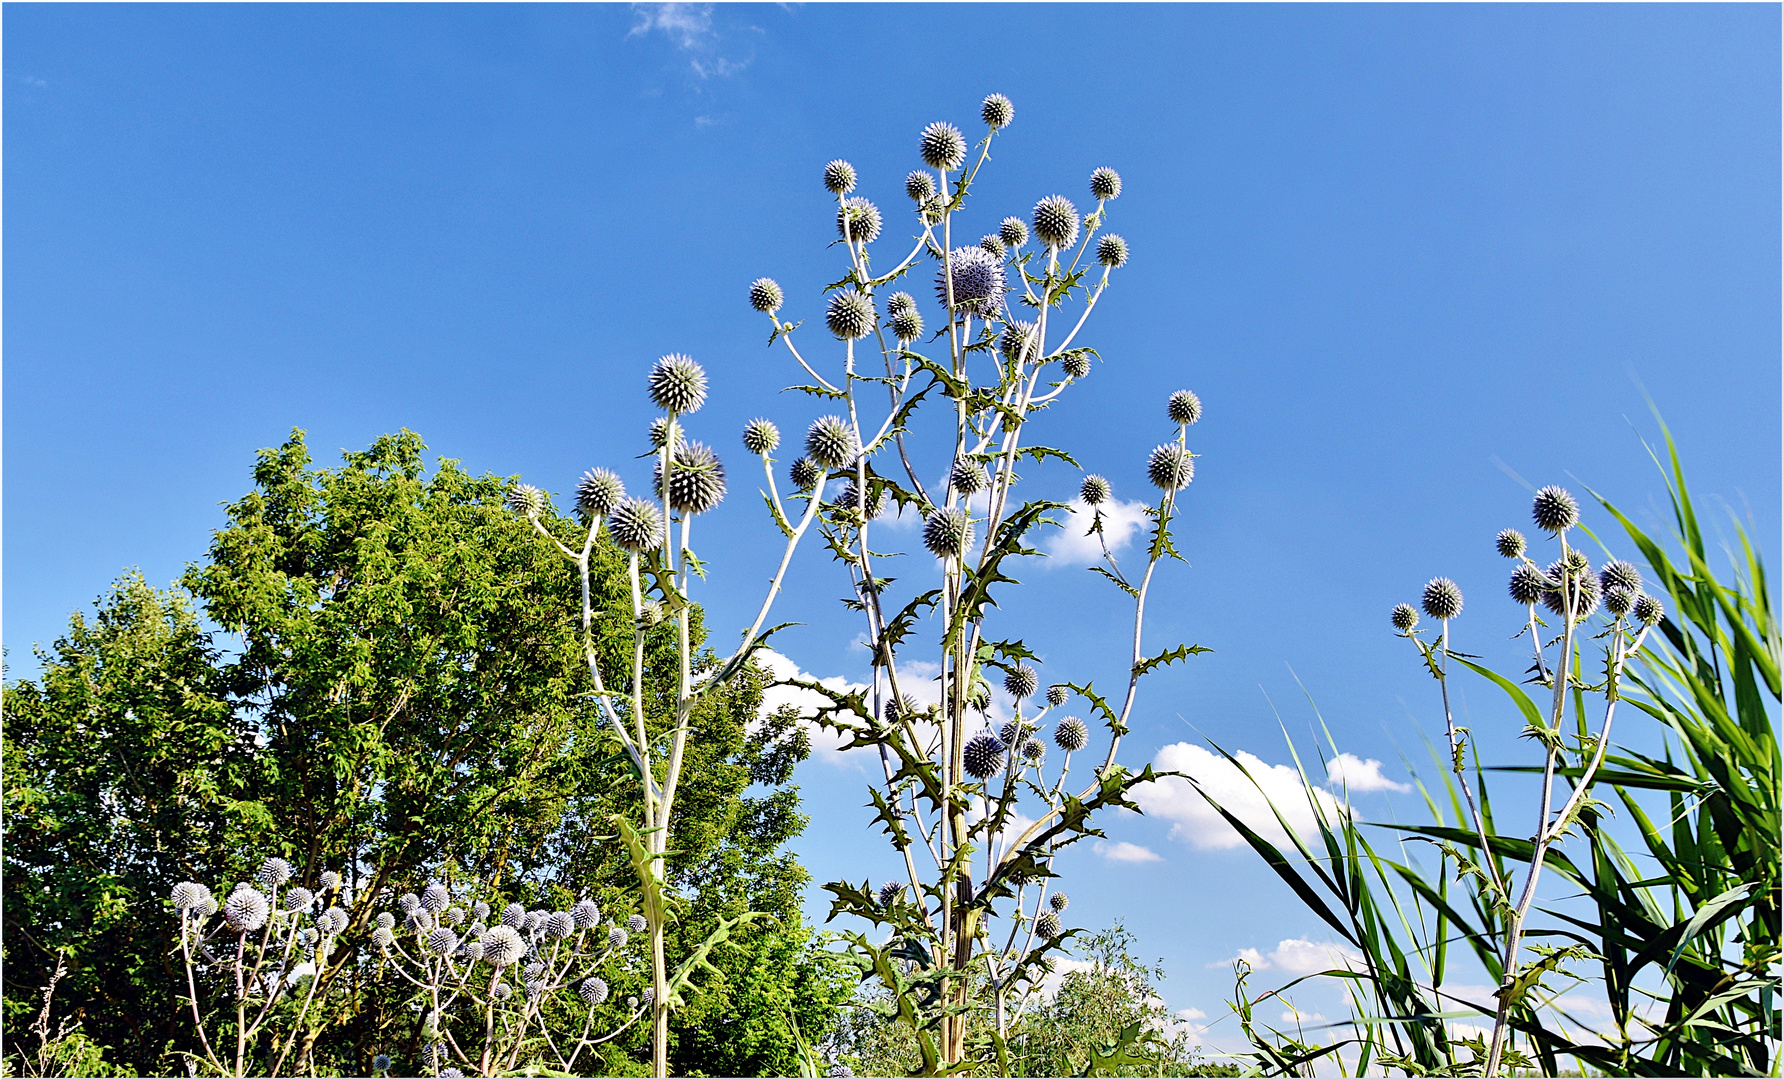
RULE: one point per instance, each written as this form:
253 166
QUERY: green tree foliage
399 691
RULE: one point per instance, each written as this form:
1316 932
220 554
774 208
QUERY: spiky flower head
907 325
274 872
632 1002
1526 586
636 525
968 477
418 921
678 384
920 186
1618 600
188 895
1404 617
830 442
592 991
206 907
598 492
1647 610
943 146
503 945
381 1063
1059 902
839 177
1510 543
1554 510
1105 184
851 500
1033 749
900 301
766 294
480 911
246 910
386 919
978 280
1048 925
442 942
501 991
1076 364
1010 732
1443 599
474 948
535 919
514 915
1013 231
1095 490
1171 467
696 478
889 892
1019 341
383 937
760 437
947 532
993 245
585 914
1111 251
1021 681
616 937
659 433
533 970
559 924
329 879
434 898
1056 222
408 902
637 924
337 920
1570 587
1618 574
1184 407
983 755
1056 695
896 709
299 899
858 220
997 111
526 500
1071 734
850 315
805 473
1577 561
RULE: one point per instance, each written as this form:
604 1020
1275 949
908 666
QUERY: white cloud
1292 1017
1122 851
1297 956
825 743
1192 1014
1253 958
1247 797
688 25
1073 544
1349 772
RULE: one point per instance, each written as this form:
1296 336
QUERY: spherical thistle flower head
947 532
830 442
274 872
983 755
206 907
678 384
1171 467
900 301
1618 574
760 437
474 948
383 937
858 220
659 433
920 186
501 991
598 492
1095 490
978 281
889 892
1033 749
533 971
1526 585
381 1063
1577 562
1618 600
943 146
1010 732
696 480
1056 695
1048 925
535 919
1021 681
637 924
805 473
527 501
851 500
337 920
442 942
480 911
1184 408
1056 222
839 177
1013 231
1076 364
632 1002
586 914
1071 734
502 945
246 910
1111 251
386 920
850 316
1576 589
418 921
1510 543
1059 902
559 924
514 915
1019 341
997 111
968 477
1647 610
592 991
299 899
766 294
188 895
1105 184
907 325
636 525
616 937
1404 617
329 880
649 994
897 709
434 898
1443 599
1554 510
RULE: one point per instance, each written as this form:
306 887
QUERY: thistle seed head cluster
760 437
1171 467
659 433
920 186
1554 510
805 473
983 755
850 316
617 937
1618 600
1033 749
637 923
636 525
889 892
678 384
858 220
514 916
1095 490
851 500
1111 251
766 295
839 177
830 442
1443 599
1526 585
1105 184
1048 925
559 924
943 147
586 914
593 991
434 898
1056 222
1184 408
503 945
1013 231
1059 902
1570 586
906 321
997 111
1019 341
1076 364
1071 734
1648 611
994 245
1510 543
189 895
1056 695
696 479
246 910
968 477
1404 617
598 492
526 500
273 873
947 532
299 898
1021 681
1618 574
977 278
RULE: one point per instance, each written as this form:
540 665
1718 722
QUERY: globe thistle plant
1105 184
993 245
830 442
943 147
1554 510
983 755
968 477
1013 231
696 479
1443 599
850 316
1072 734
1056 222
1170 467
1184 408
1095 490
997 111
858 221
1076 365
1111 251
920 186
760 437
598 492
1056 696
1510 543
839 177
947 532
636 525
1021 681
766 295
907 326
972 281
1404 618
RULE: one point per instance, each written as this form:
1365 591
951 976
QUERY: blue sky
1406 255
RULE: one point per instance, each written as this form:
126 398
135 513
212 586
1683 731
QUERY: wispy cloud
1247 793
1348 771
1298 956
690 28
1073 544
1122 851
